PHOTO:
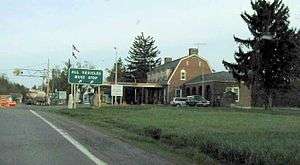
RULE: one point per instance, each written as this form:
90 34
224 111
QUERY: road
36 137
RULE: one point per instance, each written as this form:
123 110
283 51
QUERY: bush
152 132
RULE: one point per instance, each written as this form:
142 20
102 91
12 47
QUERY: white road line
72 141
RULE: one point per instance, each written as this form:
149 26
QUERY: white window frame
183 72
180 92
232 89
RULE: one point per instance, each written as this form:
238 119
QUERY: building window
178 93
183 75
236 91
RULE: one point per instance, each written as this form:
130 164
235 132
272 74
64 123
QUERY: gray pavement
26 139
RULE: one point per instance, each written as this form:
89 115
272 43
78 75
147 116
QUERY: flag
73 54
75 51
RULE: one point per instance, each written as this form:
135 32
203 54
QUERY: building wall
192 68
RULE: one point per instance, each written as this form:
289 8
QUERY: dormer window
183 75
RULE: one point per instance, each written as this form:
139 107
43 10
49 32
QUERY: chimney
168 59
193 51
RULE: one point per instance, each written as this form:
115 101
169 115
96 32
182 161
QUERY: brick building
192 75
173 75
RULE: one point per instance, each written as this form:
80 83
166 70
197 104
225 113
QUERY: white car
178 101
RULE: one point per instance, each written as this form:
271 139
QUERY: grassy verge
227 135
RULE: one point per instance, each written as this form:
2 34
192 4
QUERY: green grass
226 135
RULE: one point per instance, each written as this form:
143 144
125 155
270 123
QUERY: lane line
75 143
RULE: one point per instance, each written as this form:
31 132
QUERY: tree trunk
268 101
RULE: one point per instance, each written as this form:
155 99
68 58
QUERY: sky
33 31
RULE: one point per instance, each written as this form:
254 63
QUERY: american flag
75 51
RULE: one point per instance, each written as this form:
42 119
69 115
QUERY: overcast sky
31 31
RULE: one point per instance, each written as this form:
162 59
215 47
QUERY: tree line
7 87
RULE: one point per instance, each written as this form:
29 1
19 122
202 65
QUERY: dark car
197 100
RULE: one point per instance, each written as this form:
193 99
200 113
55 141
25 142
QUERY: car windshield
180 99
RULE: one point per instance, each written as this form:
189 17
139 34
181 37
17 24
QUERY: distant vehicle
197 100
179 101
36 97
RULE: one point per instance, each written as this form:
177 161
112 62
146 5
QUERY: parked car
179 101
197 100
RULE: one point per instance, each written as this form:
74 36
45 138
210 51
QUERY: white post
75 95
99 96
70 102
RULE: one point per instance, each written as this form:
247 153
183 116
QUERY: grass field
226 135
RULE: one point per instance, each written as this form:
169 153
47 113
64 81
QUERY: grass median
226 135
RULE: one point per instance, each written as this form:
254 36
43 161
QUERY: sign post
83 77
117 91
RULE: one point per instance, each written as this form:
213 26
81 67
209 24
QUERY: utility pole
48 82
37 73
116 71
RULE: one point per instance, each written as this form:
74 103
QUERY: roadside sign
62 95
85 76
117 90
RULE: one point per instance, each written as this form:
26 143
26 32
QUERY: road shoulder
107 146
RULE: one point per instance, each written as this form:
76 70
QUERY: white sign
62 95
117 90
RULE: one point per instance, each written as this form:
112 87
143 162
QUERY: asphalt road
27 139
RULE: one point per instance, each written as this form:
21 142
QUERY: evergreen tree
122 73
7 87
267 61
142 57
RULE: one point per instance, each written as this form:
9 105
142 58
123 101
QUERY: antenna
198 44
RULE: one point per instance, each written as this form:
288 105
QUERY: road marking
72 141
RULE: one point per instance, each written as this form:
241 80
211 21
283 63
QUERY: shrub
152 132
